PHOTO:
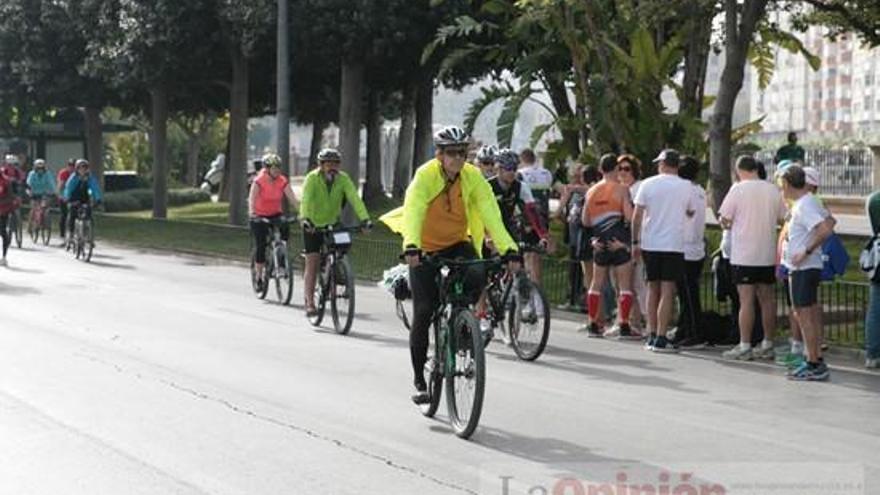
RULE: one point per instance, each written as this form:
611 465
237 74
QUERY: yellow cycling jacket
480 206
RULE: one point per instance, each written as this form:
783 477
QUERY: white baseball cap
813 176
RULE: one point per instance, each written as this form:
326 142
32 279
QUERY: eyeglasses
455 153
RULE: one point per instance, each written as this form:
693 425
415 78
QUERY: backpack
869 259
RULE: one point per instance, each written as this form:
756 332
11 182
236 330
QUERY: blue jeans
872 323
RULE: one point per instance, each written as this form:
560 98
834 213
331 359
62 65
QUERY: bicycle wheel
88 241
321 289
342 297
529 321
18 228
284 281
33 229
433 372
466 381
400 309
46 233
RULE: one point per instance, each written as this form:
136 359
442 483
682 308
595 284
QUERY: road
159 374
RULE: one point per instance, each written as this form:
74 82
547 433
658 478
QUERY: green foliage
142 199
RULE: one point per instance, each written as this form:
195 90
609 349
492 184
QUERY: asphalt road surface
160 374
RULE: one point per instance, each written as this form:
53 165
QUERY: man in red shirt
63 175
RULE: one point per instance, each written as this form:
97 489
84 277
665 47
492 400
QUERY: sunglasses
455 153
625 169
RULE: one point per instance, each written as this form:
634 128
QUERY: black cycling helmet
507 159
451 136
487 153
329 155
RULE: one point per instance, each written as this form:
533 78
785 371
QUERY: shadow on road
580 363
14 290
23 270
106 257
104 264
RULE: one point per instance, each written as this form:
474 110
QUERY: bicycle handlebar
280 220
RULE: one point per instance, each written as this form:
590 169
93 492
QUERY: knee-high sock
624 305
594 301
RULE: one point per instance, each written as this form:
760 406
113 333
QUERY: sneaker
486 331
872 363
738 353
626 333
811 373
594 332
764 352
799 369
664 345
649 344
790 360
421 395
612 332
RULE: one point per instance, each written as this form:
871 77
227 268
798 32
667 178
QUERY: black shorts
607 232
312 242
663 266
754 275
805 287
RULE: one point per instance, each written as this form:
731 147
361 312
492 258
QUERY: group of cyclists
74 186
452 209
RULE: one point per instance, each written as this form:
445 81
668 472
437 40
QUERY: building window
869 79
869 104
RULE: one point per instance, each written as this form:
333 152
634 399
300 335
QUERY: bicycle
82 239
278 266
518 307
40 222
456 355
335 279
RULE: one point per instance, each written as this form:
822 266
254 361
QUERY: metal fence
844 172
844 303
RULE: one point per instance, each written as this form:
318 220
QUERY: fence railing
844 172
844 303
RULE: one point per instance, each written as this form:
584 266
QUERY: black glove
412 251
367 225
307 225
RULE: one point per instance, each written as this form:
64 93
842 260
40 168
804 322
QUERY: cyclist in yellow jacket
447 210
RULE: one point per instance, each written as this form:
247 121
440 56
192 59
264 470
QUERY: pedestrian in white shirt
663 205
752 210
690 329
809 226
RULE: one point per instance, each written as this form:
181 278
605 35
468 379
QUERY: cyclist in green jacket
324 191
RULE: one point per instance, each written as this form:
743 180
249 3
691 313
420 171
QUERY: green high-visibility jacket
322 204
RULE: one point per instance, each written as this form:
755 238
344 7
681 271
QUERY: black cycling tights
261 232
423 283
7 239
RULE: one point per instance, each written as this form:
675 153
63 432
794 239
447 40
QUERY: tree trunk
193 148
424 122
559 98
405 140
316 144
236 164
373 189
739 37
697 57
159 114
95 142
282 96
351 116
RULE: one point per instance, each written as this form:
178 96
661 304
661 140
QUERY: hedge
142 199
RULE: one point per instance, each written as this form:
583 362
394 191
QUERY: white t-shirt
695 227
755 207
806 214
666 200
